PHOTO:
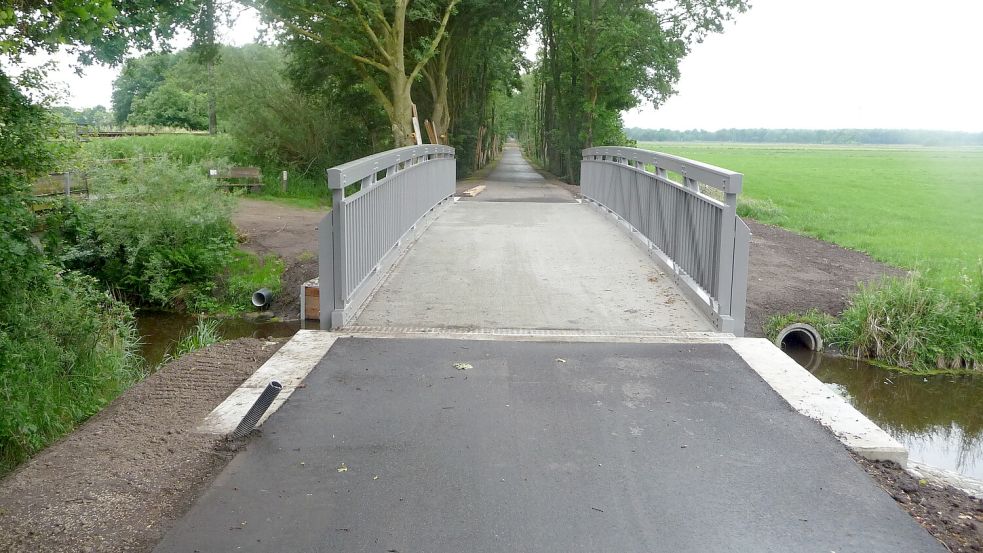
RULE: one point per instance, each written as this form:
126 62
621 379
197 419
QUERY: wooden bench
47 189
247 177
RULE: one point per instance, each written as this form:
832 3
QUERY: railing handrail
355 171
730 182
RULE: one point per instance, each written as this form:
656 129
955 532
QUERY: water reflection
161 331
939 418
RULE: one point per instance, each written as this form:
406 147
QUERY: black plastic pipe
255 412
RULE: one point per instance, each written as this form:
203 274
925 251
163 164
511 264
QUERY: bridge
524 370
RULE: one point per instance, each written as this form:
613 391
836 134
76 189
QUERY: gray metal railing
363 234
699 239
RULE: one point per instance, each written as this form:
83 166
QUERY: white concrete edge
969 485
810 397
289 366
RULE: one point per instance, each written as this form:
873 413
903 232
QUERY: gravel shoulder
118 481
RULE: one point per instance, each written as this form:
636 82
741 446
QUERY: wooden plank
430 132
245 172
312 302
473 191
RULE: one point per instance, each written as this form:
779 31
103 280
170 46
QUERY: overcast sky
795 64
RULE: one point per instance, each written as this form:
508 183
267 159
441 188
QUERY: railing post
338 249
728 226
742 246
325 269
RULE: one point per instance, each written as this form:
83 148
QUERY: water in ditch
938 418
159 332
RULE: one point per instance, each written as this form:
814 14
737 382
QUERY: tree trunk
212 116
438 90
402 110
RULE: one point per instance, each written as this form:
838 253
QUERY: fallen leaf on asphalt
463 366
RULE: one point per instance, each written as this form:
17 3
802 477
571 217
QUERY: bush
157 231
914 323
67 349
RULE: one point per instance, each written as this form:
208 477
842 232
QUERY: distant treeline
808 136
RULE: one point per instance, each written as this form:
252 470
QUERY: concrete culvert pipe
799 336
262 298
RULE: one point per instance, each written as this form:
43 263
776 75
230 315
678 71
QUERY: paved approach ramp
545 447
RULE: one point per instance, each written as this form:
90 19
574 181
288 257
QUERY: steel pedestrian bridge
654 244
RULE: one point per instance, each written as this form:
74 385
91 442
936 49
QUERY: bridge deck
525 254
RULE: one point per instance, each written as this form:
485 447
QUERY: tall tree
601 57
205 50
484 36
371 38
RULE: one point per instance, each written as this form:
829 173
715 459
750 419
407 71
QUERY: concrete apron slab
559 446
289 366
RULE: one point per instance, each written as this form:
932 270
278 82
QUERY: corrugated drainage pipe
262 298
799 335
255 412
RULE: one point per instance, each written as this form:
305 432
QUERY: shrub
67 348
155 230
914 323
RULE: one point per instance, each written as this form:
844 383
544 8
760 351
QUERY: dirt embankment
117 482
289 233
953 517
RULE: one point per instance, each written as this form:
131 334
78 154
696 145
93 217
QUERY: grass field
913 207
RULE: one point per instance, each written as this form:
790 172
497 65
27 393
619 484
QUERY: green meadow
913 207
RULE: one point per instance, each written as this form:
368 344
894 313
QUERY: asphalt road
541 447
